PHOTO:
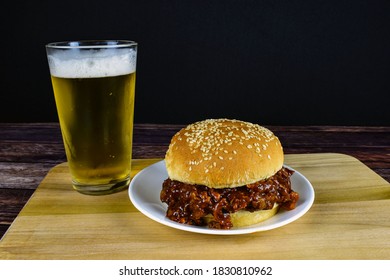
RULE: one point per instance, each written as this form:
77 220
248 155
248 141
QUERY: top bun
223 153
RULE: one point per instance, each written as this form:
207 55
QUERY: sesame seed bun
244 218
223 153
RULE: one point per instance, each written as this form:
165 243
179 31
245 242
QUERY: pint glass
94 86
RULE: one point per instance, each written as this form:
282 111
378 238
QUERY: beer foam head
81 63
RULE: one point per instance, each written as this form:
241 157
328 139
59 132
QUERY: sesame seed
213 135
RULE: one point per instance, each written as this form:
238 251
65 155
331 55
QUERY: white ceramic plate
145 188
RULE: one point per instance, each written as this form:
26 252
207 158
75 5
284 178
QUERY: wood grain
349 220
29 150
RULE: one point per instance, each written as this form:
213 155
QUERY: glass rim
92 44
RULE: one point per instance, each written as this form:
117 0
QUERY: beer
94 94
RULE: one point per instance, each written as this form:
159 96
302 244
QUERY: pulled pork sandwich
225 173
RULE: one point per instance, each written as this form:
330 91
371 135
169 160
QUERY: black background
269 62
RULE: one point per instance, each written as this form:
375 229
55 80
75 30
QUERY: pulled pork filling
189 204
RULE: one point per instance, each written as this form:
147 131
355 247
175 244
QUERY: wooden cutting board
350 219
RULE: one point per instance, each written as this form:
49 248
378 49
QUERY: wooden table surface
29 151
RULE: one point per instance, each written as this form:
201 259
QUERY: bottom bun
244 218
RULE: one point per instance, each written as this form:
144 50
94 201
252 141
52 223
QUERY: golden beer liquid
96 118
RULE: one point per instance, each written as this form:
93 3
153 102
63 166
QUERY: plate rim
310 193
